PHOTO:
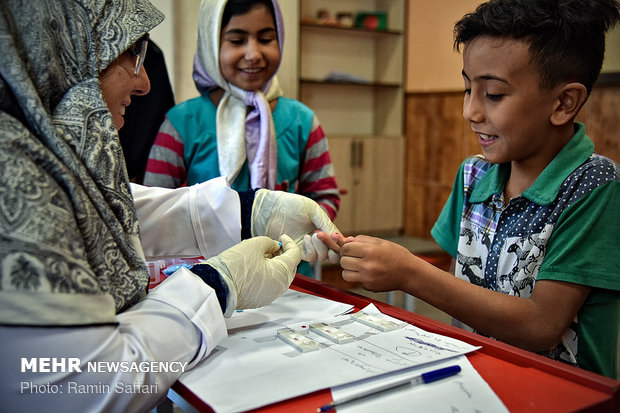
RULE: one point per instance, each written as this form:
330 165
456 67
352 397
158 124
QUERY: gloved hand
276 212
256 272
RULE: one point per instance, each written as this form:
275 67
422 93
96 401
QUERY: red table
524 381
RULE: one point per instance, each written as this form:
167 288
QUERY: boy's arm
535 323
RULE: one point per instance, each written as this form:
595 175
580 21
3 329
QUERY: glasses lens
140 52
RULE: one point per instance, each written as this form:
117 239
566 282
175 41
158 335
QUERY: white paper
292 306
253 368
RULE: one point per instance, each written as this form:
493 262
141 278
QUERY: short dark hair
566 37
239 7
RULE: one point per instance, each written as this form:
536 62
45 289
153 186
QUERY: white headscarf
240 135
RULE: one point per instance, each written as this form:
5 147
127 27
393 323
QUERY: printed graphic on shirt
502 245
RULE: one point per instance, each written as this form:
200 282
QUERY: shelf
363 84
352 78
608 79
349 29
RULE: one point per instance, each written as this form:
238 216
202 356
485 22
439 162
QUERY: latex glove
256 271
276 212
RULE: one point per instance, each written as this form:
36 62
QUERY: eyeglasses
137 50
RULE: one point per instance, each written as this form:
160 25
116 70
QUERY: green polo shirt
565 227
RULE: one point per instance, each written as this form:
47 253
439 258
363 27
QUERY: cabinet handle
357 154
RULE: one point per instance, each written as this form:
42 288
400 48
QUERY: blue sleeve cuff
210 276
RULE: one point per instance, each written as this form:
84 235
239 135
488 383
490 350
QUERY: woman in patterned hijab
72 269
70 253
67 219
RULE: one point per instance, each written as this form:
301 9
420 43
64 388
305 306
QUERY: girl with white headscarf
255 138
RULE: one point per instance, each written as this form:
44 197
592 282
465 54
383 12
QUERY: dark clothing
145 114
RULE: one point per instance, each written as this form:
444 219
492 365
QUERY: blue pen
424 378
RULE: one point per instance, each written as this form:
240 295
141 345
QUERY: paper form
269 370
291 307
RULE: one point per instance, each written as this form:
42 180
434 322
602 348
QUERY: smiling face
249 49
119 83
504 103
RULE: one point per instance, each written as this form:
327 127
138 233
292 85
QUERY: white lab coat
180 320
200 220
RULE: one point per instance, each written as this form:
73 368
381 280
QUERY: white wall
612 51
289 68
163 34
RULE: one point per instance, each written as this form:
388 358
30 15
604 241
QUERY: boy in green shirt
533 224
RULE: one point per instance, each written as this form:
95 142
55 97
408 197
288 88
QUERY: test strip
299 341
374 321
333 333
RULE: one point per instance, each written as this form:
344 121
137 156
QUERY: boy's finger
337 239
329 242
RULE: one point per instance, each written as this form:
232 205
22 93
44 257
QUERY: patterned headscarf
240 135
69 242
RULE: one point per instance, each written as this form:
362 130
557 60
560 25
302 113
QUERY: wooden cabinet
353 80
370 172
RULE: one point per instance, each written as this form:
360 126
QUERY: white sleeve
173 328
199 220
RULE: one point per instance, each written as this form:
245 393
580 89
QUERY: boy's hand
332 241
377 264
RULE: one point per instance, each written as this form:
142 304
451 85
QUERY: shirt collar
546 187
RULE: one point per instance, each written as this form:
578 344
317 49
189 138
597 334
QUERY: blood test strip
374 321
300 341
332 333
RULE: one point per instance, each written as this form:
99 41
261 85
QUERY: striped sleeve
317 180
166 166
